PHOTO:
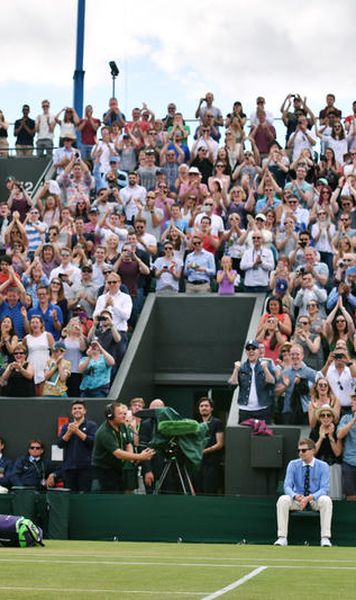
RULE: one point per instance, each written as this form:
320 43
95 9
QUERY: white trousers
285 503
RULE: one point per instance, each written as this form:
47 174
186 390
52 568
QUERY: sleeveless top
38 354
19 386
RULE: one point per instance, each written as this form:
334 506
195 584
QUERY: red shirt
207 245
88 132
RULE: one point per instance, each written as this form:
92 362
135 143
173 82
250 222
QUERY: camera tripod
172 460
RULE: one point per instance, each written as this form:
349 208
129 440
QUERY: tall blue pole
78 87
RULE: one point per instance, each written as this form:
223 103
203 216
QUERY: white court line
235 584
25 553
40 561
173 564
98 591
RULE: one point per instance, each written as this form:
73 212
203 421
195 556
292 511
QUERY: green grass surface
137 571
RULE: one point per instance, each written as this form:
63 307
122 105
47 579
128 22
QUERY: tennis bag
19 532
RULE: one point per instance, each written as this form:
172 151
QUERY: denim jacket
264 390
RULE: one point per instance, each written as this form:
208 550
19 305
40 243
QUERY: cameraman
111 449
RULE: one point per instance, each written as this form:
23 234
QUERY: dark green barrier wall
182 347
26 418
174 518
199 519
27 170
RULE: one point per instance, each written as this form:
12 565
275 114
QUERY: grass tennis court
124 570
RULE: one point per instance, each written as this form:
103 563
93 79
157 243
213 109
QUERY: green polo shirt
107 440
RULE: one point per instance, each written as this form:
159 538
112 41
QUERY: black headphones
109 411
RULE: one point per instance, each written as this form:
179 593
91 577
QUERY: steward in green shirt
111 448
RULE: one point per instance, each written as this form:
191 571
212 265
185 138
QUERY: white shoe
282 541
325 542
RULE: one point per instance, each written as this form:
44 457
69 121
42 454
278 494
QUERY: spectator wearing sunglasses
119 305
257 262
17 379
199 268
32 469
306 485
255 379
167 270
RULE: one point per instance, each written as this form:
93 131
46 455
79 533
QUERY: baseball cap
281 285
253 343
59 346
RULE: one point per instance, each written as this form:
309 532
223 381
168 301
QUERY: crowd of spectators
145 204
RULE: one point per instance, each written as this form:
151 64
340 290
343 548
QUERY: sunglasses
325 415
112 282
251 348
35 447
18 353
303 450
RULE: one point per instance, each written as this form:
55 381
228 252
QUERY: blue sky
238 49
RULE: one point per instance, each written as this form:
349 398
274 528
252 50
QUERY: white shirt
104 233
342 384
255 121
252 404
128 196
323 244
213 146
301 142
43 123
74 273
149 240
217 224
120 309
259 275
107 150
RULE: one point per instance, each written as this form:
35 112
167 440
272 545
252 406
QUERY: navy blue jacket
30 474
5 467
77 454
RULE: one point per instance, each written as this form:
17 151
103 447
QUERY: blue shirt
97 374
47 318
203 259
318 483
77 453
262 202
15 313
303 372
349 453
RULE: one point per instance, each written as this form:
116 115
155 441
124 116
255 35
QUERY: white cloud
238 49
